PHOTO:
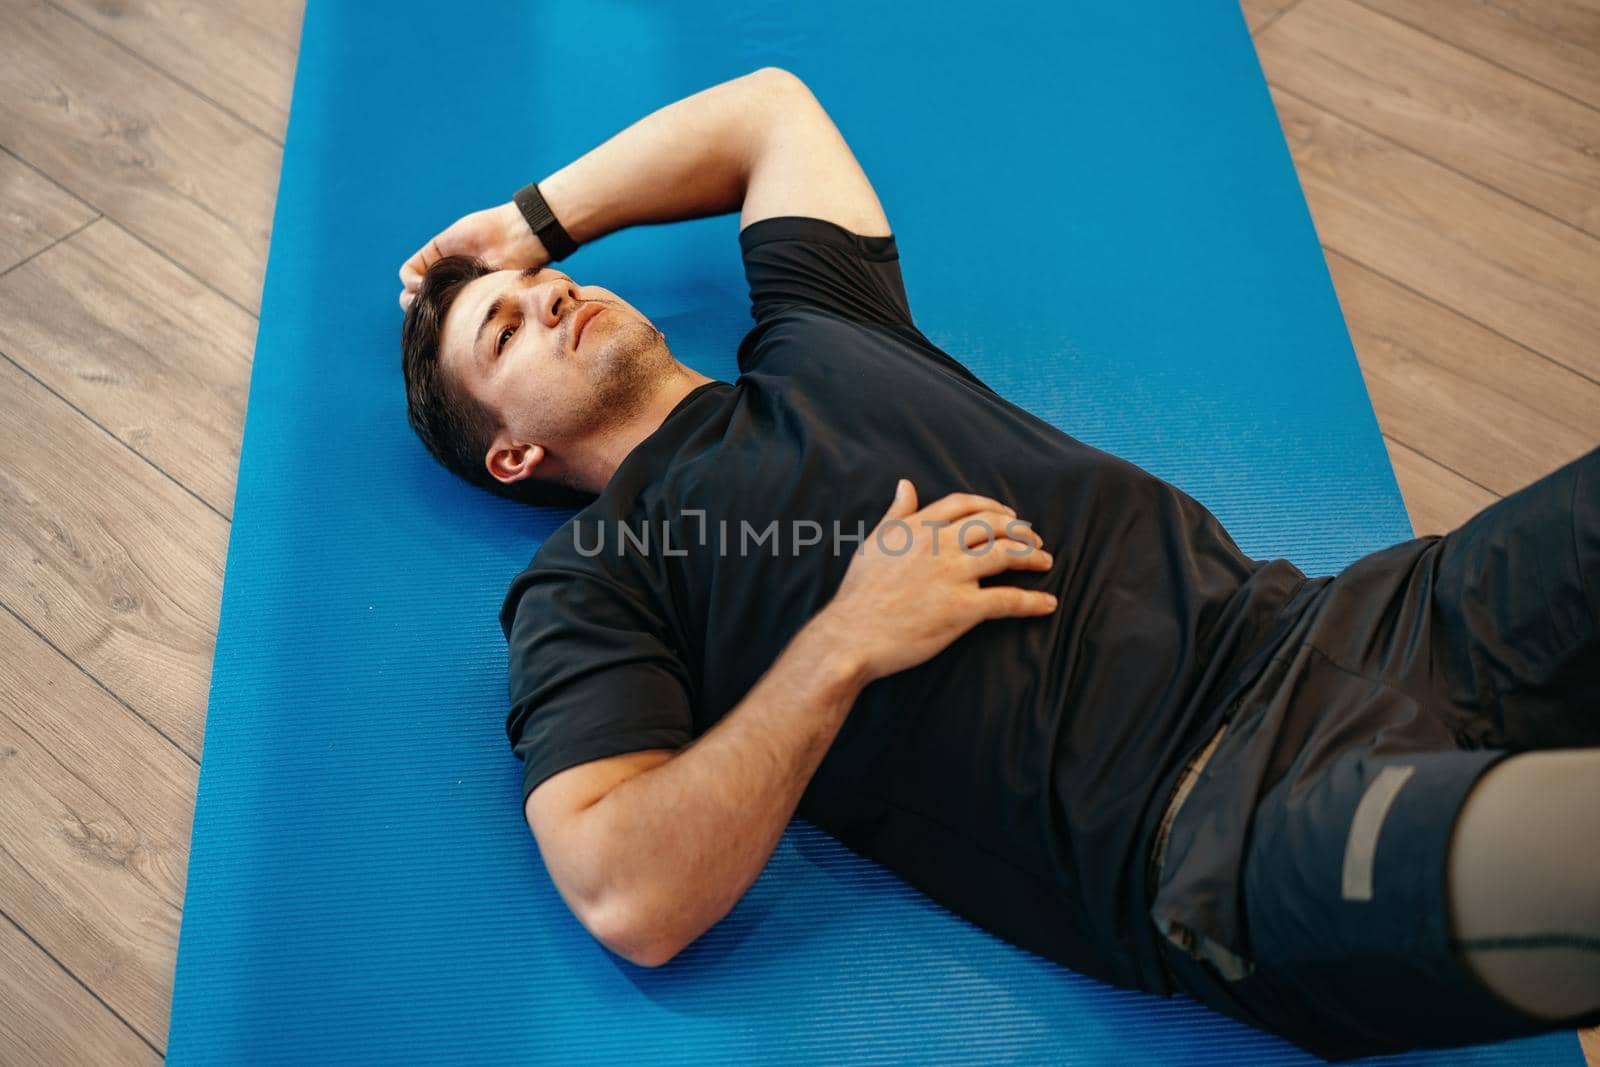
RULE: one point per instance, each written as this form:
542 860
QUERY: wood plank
34 212
141 347
174 169
95 810
1531 142
240 55
51 1019
1498 262
1437 499
1489 409
114 564
1554 42
1258 13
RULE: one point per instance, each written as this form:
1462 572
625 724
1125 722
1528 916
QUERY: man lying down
1042 685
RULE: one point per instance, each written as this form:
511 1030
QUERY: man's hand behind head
498 235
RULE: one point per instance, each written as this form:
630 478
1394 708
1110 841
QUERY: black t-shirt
1015 777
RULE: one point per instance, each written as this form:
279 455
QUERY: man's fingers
959 505
974 531
411 273
1008 555
904 502
415 267
1007 601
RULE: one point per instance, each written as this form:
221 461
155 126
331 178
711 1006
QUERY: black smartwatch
542 221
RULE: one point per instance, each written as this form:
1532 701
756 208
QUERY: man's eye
505 335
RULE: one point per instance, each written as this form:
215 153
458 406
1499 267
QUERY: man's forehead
480 292
467 310
474 299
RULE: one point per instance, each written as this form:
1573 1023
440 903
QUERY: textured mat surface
361 887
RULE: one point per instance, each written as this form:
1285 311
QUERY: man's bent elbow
641 944
780 85
777 75
654 956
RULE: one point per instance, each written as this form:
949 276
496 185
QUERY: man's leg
1415 673
1515 612
1523 882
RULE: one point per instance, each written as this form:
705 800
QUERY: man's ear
511 461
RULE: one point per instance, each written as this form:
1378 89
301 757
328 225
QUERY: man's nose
554 300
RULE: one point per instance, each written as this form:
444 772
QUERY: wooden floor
1450 151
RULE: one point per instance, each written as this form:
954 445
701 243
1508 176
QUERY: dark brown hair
456 427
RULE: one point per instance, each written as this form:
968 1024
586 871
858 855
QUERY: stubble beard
632 363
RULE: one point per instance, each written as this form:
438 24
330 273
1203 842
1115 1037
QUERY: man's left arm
760 144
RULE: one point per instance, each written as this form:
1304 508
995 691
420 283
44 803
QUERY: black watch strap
542 221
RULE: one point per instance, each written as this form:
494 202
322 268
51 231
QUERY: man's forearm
687 160
683 841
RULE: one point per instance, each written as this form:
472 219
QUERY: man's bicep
804 167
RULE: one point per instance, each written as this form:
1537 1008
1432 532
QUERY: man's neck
605 453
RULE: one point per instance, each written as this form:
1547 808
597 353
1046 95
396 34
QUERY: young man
1057 698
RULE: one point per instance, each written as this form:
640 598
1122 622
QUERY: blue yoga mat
362 888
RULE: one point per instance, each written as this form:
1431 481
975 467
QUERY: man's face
556 361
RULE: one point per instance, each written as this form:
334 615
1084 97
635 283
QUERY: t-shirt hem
537 771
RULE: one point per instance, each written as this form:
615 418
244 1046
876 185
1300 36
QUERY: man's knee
1523 882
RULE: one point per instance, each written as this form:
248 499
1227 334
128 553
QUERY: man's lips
586 314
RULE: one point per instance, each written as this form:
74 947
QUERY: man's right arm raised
760 142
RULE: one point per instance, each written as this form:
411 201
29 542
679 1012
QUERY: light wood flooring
1450 151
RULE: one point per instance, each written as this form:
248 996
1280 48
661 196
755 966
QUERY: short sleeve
590 674
794 260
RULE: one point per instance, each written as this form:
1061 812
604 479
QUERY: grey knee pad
1523 882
